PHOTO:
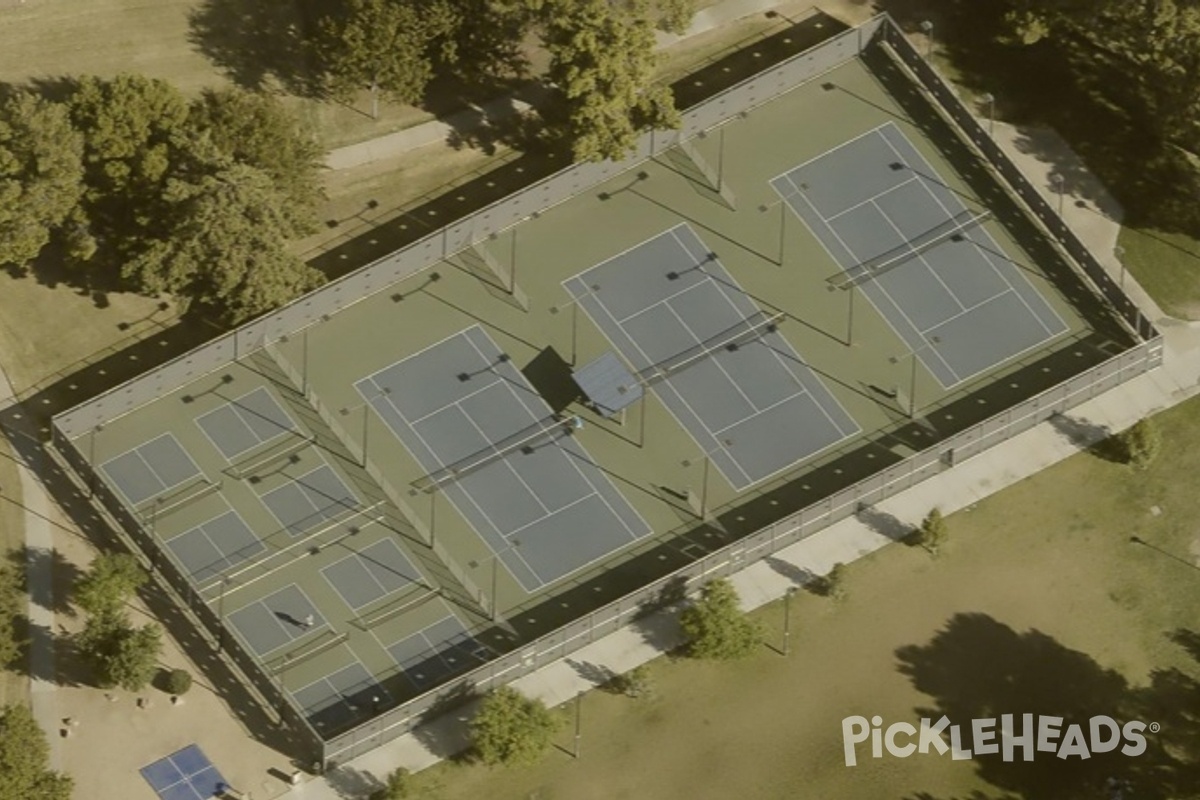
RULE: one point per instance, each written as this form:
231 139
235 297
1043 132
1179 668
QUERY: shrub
178 681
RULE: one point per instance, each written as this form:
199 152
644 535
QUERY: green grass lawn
1167 265
1040 603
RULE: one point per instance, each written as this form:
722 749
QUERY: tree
510 728
485 47
674 16
1141 442
41 174
602 60
110 582
226 246
24 760
933 531
178 682
635 683
716 627
384 46
398 786
121 654
10 608
135 138
253 128
833 584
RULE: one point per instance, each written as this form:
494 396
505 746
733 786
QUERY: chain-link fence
75 428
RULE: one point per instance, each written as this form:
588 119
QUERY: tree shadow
886 524
1098 440
54 597
598 675
977 667
1089 96
443 726
353 784
258 43
799 576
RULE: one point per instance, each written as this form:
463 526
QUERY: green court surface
391 620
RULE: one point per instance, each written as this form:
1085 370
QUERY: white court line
203 430
331 582
579 276
411 356
785 361
451 404
988 262
872 198
916 256
878 310
765 409
711 357
787 172
508 464
930 169
572 460
665 383
262 601
666 300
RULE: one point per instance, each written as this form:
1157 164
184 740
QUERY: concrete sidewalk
1095 218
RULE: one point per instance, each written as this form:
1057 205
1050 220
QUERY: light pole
578 720
704 476
495 559
574 304
787 618
92 478
927 29
1119 252
1059 184
782 205
221 615
912 378
365 405
990 99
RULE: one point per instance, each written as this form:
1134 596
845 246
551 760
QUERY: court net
868 270
748 330
525 440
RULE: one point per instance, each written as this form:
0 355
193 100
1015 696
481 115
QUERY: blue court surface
492 445
245 423
922 258
185 775
151 469
215 547
338 700
713 357
438 651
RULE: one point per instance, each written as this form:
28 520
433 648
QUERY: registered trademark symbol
1155 727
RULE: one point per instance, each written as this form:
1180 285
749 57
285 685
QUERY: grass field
1040 603
1167 265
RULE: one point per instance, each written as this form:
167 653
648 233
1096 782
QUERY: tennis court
315 498
492 445
919 254
371 574
340 698
276 620
216 546
186 774
245 423
437 652
713 357
151 469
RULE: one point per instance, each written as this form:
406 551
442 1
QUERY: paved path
439 130
39 546
1096 221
